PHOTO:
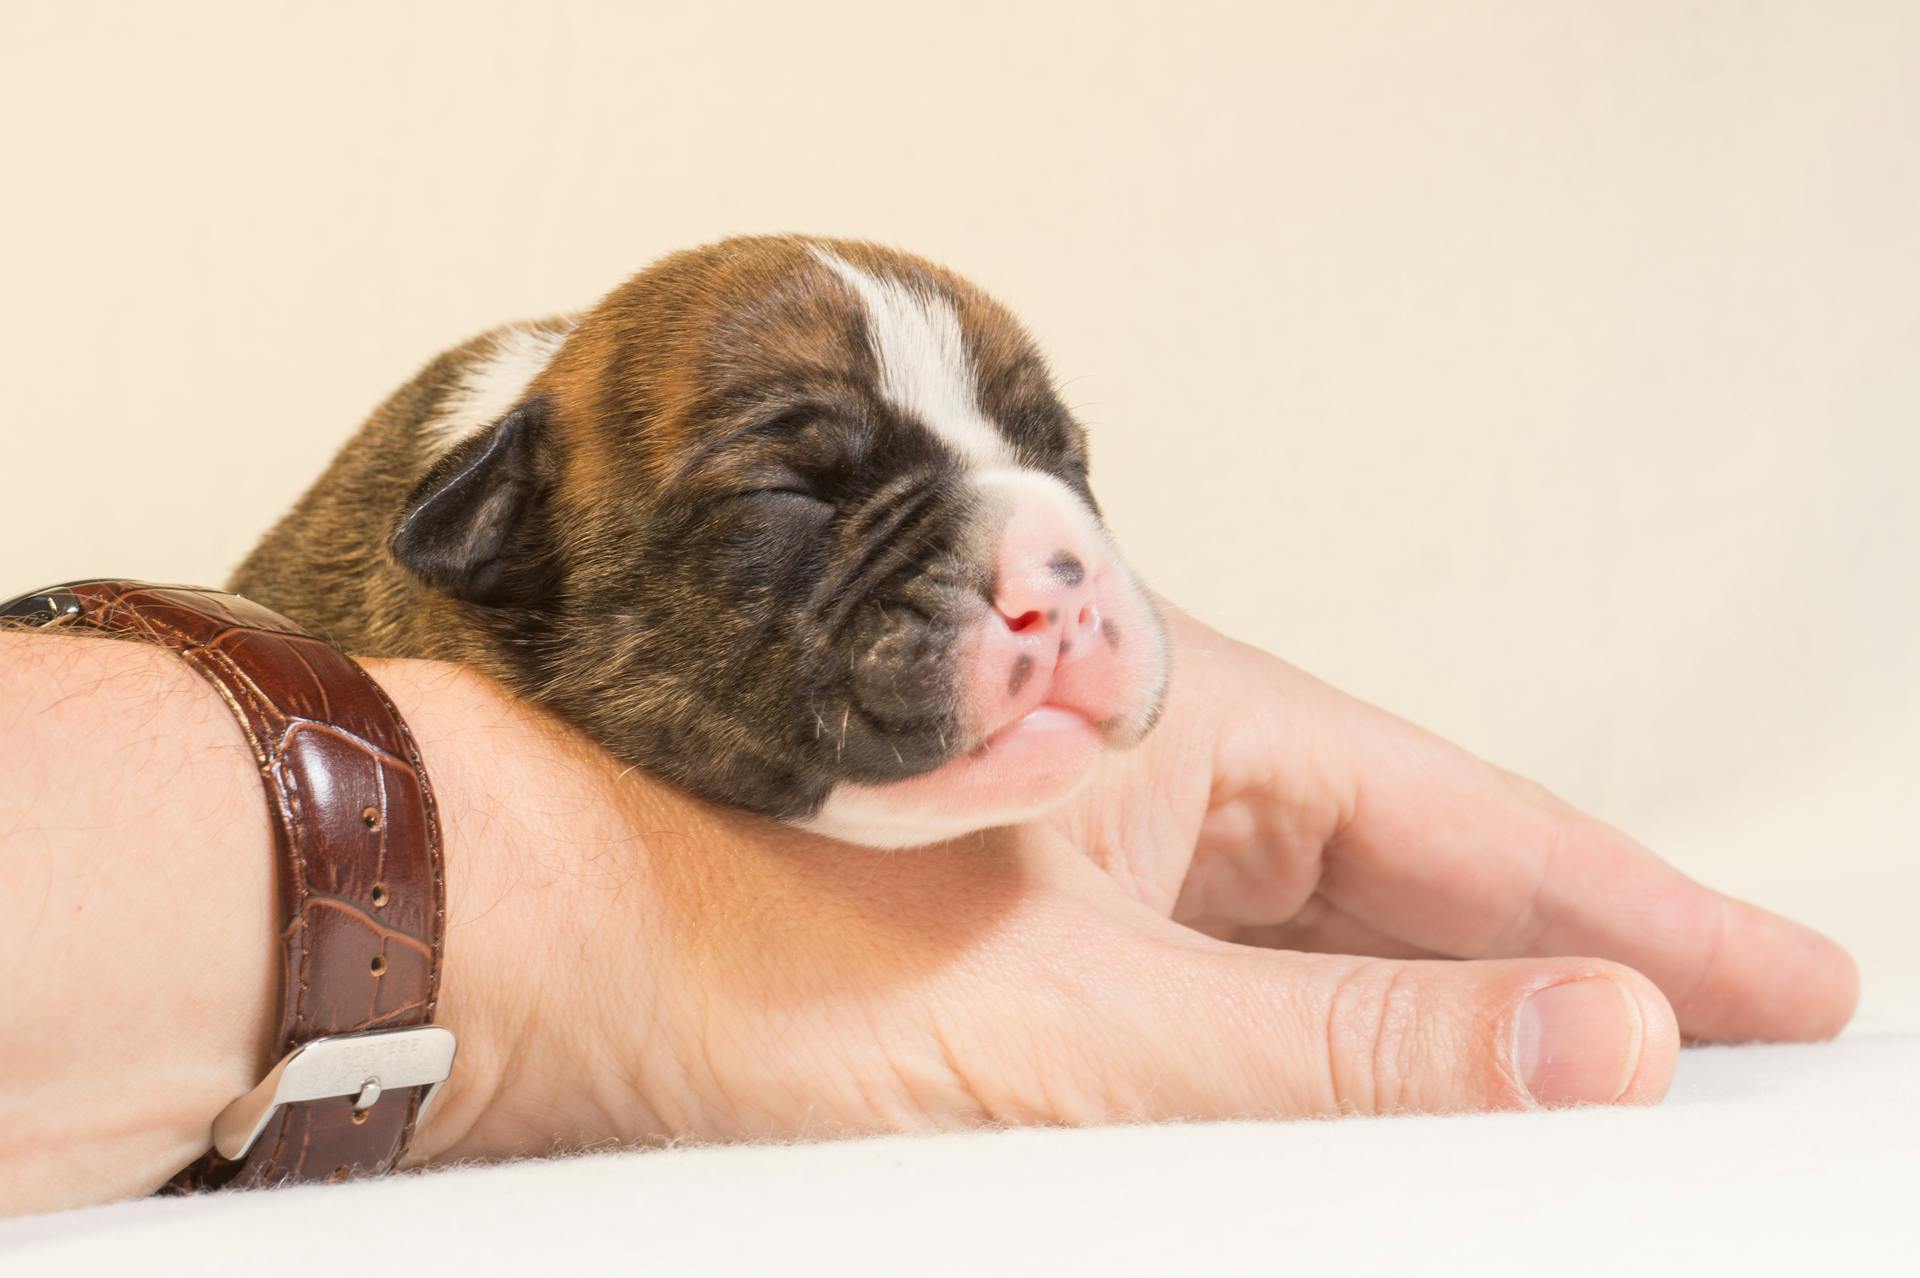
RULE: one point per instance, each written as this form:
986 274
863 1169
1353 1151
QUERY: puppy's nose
1045 583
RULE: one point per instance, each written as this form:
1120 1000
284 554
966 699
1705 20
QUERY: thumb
1255 1032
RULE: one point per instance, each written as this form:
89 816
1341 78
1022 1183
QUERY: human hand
1248 916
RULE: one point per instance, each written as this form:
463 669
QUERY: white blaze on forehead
494 384
924 368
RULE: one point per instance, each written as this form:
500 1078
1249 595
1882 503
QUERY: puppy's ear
476 526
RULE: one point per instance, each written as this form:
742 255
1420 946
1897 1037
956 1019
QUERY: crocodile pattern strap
362 902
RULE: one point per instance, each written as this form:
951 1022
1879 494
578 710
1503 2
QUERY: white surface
1764 1160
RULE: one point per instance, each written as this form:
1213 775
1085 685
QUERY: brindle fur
710 545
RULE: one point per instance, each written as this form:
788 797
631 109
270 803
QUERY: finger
1453 855
1216 1031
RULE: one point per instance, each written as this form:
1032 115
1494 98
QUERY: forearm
136 929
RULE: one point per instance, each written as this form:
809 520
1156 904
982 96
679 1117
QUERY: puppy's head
802 526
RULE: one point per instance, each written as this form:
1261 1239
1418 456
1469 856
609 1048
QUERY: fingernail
1578 1043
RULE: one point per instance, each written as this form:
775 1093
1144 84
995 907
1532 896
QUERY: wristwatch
361 889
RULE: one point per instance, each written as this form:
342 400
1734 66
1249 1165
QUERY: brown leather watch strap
361 898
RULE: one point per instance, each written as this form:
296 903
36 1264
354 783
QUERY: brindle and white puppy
800 525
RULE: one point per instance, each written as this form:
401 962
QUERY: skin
1245 917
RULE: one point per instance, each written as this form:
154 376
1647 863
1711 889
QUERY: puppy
798 524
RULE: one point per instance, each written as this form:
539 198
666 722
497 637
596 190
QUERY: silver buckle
362 1066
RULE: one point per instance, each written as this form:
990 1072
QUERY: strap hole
360 1115
340 1172
379 895
379 964
370 817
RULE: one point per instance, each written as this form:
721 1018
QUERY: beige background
1549 373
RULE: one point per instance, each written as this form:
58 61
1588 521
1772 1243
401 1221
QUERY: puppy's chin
1022 771
1044 698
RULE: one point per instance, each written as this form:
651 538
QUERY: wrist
550 924
137 882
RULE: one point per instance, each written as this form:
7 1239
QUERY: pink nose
1045 590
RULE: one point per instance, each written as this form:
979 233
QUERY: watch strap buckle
366 1066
